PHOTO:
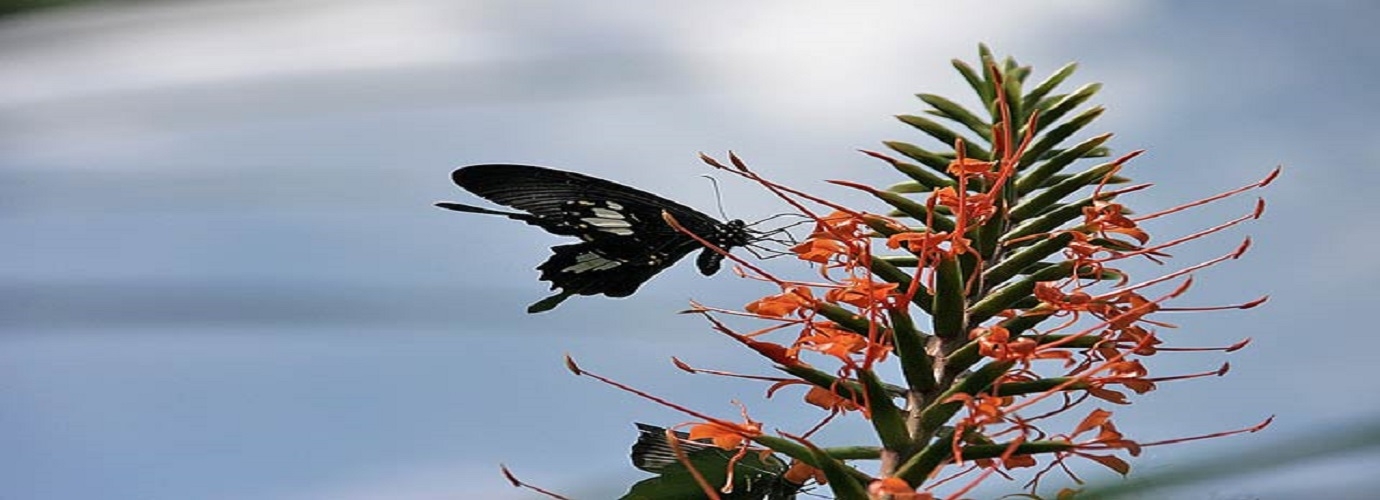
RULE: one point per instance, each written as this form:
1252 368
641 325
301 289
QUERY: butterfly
624 239
756 476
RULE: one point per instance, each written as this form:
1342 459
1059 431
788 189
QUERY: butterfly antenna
780 215
718 196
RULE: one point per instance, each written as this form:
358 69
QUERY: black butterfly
626 241
755 476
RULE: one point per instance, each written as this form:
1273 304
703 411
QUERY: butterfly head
733 234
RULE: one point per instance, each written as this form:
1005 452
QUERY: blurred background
223 277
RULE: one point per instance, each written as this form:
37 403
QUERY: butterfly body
625 240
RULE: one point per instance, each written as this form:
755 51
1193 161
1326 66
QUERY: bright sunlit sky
223 278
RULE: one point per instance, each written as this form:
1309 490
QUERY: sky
224 278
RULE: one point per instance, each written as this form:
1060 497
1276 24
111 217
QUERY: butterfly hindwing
589 269
756 476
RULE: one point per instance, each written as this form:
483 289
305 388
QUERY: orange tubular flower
1105 217
828 400
820 250
896 489
862 293
724 436
829 339
794 300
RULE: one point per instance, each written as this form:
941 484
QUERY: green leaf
920 465
1023 260
1066 104
887 419
974 81
945 135
938 413
1043 385
893 274
1059 134
846 389
1035 178
849 320
949 300
1043 88
843 480
915 210
1003 298
916 365
953 111
1055 218
908 187
981 451
1044 200
939 163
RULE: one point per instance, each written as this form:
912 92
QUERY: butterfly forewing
569 197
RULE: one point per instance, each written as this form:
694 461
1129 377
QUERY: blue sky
224 278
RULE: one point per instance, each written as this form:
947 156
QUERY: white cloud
814 63
149 45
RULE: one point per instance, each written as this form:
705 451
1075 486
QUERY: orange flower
839 223
970 207
983 409
970 166
820 250
1049 293
829 401
791 301
724 436
1104 217
825 337
896 488
862 293
800 472
995 342
927 245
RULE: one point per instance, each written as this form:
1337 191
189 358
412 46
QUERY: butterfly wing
574 204
756 477
589 268
652 452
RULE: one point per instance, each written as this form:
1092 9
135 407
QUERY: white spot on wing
605 213
609 221
590 261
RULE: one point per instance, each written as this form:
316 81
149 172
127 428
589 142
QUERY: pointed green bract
1042 89
1068 103
945 135
910 346
887 419
951 110
936 162
1057 136
1034 178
